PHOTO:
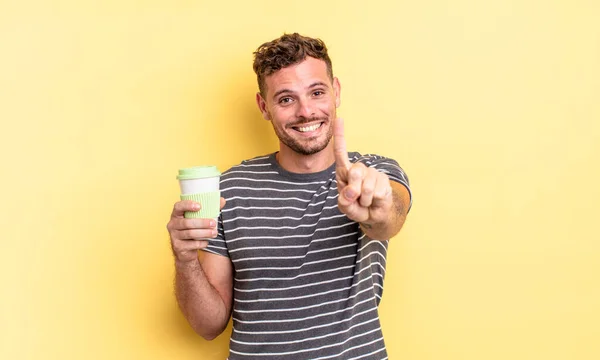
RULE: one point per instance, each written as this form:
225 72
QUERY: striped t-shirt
307 281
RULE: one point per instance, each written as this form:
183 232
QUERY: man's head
298 92
287 50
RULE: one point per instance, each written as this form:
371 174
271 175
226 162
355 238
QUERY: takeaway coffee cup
201 184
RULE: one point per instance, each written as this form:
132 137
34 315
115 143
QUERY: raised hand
365 194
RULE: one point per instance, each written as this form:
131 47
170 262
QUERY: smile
308 128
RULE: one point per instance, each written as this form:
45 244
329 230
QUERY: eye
318 93
285 100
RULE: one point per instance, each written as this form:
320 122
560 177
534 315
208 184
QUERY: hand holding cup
194 218
188 235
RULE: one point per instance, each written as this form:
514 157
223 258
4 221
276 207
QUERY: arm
203 289
366 195
204 293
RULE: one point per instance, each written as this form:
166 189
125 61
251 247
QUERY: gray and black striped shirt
307 281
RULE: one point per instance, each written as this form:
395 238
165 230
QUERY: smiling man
300 100
298 255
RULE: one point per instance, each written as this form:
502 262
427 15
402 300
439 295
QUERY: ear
337 89
262 106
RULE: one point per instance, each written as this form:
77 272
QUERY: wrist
366 227
376 230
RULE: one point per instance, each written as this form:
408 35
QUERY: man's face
301 102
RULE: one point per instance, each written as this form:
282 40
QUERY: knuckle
381 192
187 224
383 176
174 224
367 190
358 167
176 245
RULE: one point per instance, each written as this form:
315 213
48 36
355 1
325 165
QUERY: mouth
306 128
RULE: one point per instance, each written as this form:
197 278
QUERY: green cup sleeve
209 201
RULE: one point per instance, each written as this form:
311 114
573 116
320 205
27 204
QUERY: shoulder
249 173
381 163
369 159
254 165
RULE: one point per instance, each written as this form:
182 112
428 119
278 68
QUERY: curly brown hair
289 49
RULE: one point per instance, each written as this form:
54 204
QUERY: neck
305 164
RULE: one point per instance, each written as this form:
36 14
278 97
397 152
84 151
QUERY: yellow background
492 107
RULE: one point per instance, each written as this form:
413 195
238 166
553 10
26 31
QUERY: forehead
298 76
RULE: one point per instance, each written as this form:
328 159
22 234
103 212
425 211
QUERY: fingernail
349 194
212 223
196 206
214 232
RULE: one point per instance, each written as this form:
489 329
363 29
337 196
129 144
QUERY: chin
304 146
310 149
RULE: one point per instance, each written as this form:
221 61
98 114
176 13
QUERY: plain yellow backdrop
492 108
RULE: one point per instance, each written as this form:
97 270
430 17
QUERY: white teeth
309 128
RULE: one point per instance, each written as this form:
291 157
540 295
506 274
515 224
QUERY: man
299 250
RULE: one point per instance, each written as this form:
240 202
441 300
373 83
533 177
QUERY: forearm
200 303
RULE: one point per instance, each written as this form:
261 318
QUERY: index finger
339 144
181 207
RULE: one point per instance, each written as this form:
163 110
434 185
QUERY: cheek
286 115
328 107
281 118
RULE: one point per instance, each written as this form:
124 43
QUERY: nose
305 109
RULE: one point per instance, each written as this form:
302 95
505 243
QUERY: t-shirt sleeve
218 245
389 167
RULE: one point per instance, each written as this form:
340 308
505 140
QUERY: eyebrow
282 91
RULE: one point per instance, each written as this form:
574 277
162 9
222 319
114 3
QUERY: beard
306 146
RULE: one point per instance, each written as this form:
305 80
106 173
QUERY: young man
299 250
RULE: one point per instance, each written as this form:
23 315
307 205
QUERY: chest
287 231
